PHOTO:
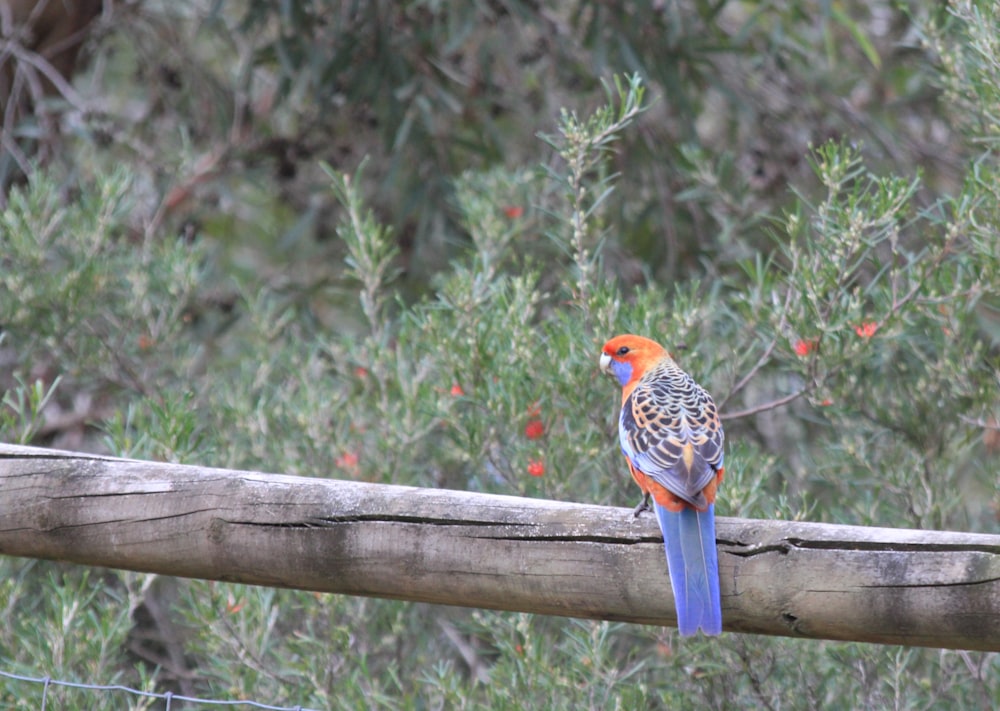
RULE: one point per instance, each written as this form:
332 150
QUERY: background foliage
800 198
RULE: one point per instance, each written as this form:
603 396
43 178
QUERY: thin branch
44 66
979 422
766 406
765 357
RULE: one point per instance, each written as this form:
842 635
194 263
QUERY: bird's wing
670 430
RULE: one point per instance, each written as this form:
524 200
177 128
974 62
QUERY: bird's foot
643 506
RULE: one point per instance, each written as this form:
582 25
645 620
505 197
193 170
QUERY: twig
979 422
766 406
44 66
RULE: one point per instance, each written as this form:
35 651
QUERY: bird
672 438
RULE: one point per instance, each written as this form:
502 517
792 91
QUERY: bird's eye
622 351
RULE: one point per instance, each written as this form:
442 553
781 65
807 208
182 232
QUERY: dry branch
927 588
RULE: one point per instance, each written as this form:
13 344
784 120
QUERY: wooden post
925 588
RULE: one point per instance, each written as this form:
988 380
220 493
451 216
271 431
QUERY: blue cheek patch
622 371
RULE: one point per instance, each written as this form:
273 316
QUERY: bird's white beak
605 363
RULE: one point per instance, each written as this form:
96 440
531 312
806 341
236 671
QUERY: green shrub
851 344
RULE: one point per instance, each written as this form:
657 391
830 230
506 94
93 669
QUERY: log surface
896 586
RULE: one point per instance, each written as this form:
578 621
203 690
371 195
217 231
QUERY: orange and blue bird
672 438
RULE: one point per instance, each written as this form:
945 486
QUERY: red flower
536 467
867 329
233 605
456 390
534 429
513 211
361 372
347 460
804 347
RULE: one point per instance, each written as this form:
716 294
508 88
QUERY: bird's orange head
628 358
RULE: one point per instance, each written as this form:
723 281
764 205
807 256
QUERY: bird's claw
643 506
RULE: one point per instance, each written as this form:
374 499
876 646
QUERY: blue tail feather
693 561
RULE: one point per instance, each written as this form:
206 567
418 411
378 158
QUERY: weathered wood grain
926 588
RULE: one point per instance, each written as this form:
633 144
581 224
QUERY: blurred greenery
385 241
